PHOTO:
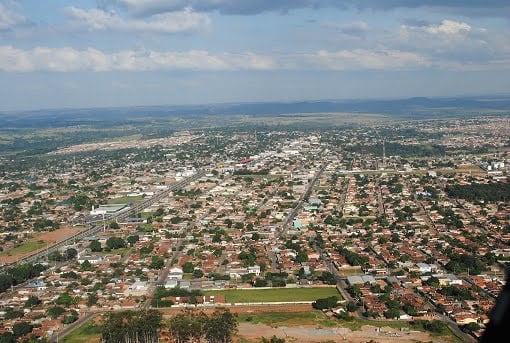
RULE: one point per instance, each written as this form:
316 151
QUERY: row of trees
132 327
480 192
188 326
194 326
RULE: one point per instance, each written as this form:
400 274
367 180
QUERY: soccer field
276 294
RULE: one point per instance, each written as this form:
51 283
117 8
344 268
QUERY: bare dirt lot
254 332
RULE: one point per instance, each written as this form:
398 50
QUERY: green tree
86 266
157 262
92 299
21 329
188 267
55 311
351 306
115 243
70 253
64 299
131 326
221 327
189 325
7 337
197 274
133 239
114 226
32 301
325 303
95 246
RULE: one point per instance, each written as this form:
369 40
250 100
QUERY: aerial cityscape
247 193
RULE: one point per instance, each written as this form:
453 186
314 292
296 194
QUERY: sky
102 53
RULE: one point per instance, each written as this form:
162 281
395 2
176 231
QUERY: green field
86 333
126 200
276 294
24 248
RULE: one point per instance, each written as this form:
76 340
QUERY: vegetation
19 274
480 192
191 325
325 303
85 333
276 295
132 326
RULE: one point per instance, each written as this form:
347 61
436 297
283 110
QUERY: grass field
276 294
24 248
87 333
288 318
126 200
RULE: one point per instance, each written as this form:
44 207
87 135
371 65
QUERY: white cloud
69 59
446 27
171 22
9 19
367 59
449 27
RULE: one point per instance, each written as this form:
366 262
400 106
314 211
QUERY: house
175 273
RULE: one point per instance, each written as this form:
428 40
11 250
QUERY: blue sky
88 53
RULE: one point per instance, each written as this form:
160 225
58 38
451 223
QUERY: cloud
449 27
9 19
442 56
171 22
490 8
68 59
367 59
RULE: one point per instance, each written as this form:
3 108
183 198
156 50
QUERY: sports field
276 294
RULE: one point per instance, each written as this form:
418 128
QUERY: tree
472 327
92 299
133 239
197 273
157 262
95 246
392 313
188 267
20 329
64 299
132 326
70 253
7 337
351 306
32 301
188 325
273 339
86 266
114 226
325 303
55 311
115 243
221 327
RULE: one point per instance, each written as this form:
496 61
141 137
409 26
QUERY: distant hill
412 107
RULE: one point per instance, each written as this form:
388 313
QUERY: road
301 201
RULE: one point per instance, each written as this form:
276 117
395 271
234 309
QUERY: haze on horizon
155 52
